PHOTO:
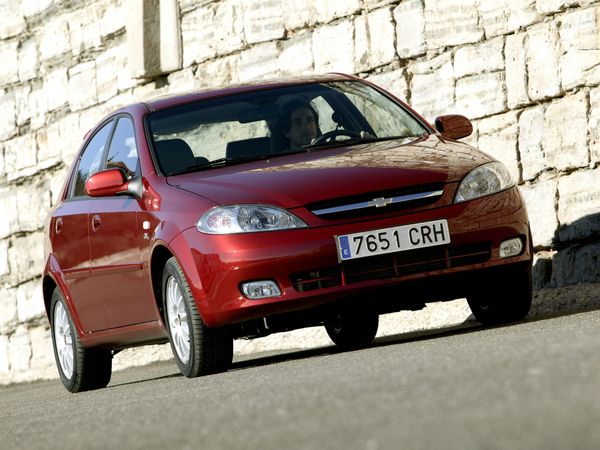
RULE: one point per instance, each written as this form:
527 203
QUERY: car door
116 238
69 231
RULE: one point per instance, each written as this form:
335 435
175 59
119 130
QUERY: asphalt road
532 385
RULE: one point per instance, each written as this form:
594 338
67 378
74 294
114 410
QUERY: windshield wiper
227 161
354 141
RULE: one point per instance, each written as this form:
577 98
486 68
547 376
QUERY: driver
299 123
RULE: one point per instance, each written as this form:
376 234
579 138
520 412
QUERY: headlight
247 219
484 180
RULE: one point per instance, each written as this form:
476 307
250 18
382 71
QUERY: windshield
267 123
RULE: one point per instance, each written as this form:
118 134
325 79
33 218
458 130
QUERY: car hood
296 180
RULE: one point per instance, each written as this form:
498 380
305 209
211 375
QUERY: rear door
69 231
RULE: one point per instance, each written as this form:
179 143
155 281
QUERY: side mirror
454 126
110 182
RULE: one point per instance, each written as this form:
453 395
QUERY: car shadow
547 304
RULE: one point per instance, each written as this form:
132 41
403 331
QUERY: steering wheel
331 135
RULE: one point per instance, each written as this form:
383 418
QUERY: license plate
394 239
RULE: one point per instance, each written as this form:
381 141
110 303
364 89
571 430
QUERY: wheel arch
160 256
48 287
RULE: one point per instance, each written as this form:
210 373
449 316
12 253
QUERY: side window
90 160
122 153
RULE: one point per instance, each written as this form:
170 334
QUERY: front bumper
216 265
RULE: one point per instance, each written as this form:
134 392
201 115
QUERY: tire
352 328
198 349
504 298
80 369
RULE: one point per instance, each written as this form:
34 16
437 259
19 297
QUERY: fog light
260 289
511 247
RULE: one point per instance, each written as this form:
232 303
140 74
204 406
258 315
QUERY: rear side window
90 160
122 153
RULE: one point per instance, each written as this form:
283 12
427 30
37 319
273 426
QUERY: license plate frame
400 238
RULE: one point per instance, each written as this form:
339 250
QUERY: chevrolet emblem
380 202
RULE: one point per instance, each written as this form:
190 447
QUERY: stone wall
527 72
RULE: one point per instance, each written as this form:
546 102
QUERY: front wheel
352 328
505 298
198 349
80 369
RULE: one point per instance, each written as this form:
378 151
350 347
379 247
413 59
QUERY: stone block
20 156
516 70
334 9
26 257
456 23
576 264
30 8
54 40
333 47
541 271
553 6
201 42
84 29
30 303
8 205
13 23
33 203
8 124
38 107
82 86
112 18
543 61
580 57
498 136
298 14
4 362
22 104
182 81
55 87
220 72
507 16
260 61
565 138
4 269
481 95
108 66
8 311
263 20
432 86
478 58
70 137
394 82
42 353
9 68
540 199
27 60
531 135
48 146
296 55
410 28
374 39
19 349
579 205
594 125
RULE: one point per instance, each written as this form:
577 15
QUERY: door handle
95 222
58 225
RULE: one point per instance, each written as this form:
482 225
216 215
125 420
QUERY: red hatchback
240 212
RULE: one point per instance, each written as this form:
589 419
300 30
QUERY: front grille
364 205
392 265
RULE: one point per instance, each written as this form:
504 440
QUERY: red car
240 212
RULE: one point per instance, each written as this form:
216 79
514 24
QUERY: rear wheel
352 328
505 298
198 349
80 369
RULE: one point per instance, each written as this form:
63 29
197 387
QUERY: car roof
171 100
